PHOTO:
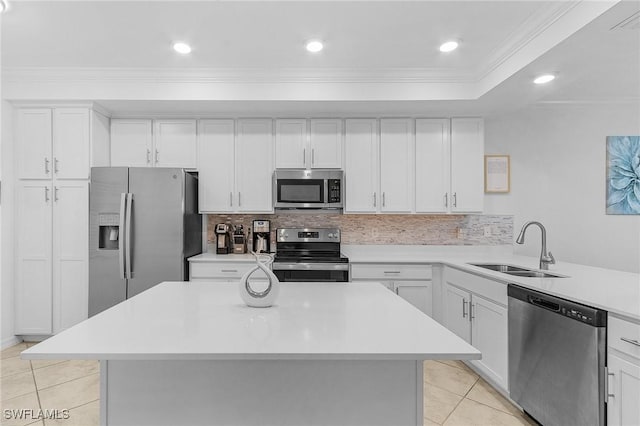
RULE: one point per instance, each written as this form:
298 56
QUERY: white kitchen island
192 353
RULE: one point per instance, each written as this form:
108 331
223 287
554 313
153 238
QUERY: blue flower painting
623 174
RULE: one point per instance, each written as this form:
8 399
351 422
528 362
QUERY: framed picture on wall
497 173
623 174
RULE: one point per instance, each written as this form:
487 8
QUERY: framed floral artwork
623 174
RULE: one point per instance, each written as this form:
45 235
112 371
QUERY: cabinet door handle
148 156
229 270
391 272
464 308
471 316
55 193
383 199
157 154
231 199
608 390
633 342
46 165
304 156
446 199
455 199
374 199
55 165
313 156
46 194
239 202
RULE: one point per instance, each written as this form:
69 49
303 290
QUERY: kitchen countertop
615 291
310 321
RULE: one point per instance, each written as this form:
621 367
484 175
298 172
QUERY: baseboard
10 341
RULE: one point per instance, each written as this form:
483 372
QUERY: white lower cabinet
412 282
219 270
51 263
623 365
475 309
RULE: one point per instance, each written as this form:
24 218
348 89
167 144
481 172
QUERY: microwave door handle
326 191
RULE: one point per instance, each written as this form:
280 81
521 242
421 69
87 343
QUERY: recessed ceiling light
4 5
449 46
545 78
183 48
314 46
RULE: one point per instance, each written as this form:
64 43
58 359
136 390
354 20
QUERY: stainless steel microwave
317 189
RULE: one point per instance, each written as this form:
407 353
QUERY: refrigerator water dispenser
108 231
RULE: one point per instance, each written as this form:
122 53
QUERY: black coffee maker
261 231
223 237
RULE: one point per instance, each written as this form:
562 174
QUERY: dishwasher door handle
538 301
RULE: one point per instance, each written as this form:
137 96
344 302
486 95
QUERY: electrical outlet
487 231
459 233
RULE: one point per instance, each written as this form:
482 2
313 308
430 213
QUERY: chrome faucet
545 258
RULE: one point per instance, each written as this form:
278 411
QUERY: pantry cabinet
53 143
55 149
475 308
235 165
153 143
309 144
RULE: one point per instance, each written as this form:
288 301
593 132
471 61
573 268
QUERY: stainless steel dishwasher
557 358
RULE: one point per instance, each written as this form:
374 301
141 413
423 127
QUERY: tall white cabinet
235 165
361 166
55 148
467 165
396 165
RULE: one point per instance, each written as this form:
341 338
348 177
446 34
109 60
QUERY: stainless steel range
310 254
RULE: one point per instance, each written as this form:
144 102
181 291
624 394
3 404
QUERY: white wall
558 174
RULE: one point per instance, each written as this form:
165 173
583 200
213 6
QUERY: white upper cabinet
174 143
153 143
309 144
396 165
361 166
467 164
34 143
71 143
254 165
131 143
216 167
325 142
291 144
432 165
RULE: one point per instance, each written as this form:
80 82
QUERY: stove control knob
330 235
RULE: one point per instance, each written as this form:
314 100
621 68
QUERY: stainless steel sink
517 271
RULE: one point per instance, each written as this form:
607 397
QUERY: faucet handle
552 259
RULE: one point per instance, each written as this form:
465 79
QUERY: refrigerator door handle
121 242
127 251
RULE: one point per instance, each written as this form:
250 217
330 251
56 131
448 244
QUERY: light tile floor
454 394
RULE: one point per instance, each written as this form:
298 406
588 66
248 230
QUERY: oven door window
300 191
312 276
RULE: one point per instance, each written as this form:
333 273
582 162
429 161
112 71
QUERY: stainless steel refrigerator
144 224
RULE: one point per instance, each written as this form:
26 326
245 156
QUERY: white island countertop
310 321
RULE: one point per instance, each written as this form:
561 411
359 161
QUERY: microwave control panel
334 190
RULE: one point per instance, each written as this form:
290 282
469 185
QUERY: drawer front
219 270
489 289
624 336
390 272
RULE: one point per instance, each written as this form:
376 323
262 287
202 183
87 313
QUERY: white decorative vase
260 298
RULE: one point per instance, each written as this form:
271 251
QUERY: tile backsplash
387 229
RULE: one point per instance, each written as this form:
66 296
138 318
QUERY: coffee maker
239 240
223 237
261 236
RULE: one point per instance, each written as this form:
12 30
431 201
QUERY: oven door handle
281 266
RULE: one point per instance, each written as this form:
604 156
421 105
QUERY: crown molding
531 28
236 75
